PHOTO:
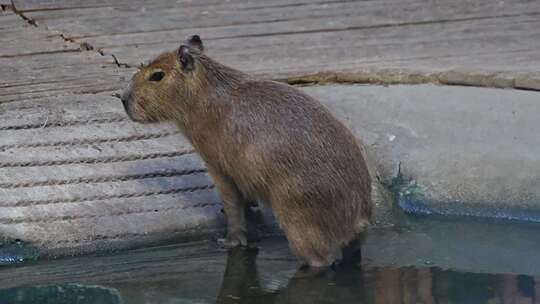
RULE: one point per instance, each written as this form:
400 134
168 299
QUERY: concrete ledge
449 150
446 150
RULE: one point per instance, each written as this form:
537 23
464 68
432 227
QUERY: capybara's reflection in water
378 285
241 283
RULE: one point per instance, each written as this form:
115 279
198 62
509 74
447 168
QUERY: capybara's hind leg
310 248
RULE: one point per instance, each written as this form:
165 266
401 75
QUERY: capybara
261 141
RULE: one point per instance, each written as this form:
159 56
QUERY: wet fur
266 141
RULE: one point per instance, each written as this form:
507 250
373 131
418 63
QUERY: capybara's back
266 141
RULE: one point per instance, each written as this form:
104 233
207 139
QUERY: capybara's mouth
135 118
125 105
138 120
127 109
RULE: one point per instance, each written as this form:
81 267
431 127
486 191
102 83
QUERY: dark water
420 261
352 284
195 275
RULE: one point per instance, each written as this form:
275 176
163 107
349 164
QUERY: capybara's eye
156 76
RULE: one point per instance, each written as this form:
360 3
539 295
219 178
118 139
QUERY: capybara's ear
185 58
196 42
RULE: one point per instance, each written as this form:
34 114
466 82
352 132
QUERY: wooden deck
458 41
74 170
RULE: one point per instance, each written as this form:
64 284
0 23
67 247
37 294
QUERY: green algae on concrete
61 294
15 251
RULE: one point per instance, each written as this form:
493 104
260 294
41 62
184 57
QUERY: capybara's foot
352 253
316 263
233 240
306 271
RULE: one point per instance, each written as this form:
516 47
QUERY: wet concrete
15 252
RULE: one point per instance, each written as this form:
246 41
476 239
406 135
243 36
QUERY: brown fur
266 141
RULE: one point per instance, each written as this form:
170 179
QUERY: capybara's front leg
234 206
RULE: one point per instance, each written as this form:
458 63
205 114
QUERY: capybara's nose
125 103
122 98
126 96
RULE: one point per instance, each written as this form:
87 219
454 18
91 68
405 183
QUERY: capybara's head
160 90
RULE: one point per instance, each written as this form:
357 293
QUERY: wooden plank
38 5
507 46
106 21
26 40
58 73
266 32
8 20
101 21
18 38
292 38
36 62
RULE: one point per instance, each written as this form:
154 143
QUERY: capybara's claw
235 240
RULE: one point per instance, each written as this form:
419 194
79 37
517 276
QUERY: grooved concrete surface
75 174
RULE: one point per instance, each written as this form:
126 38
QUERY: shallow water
423 261
242 282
